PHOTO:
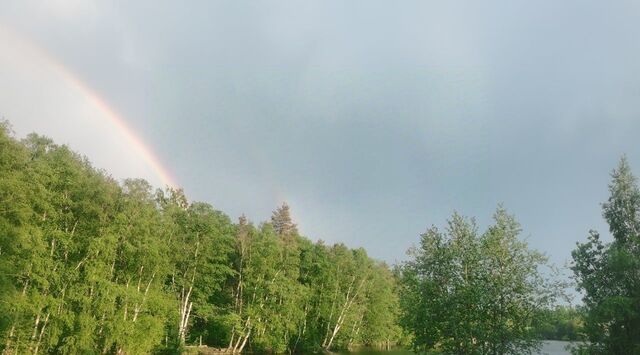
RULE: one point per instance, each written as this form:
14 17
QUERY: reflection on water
554 347
369 351
551 347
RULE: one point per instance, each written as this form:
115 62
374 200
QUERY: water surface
550 347
555 347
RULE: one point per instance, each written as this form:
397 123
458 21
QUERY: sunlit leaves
469 293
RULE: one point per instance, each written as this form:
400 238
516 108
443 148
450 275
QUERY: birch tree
200 241
92 265
609 273
469 293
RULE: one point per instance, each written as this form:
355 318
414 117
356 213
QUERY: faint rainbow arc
113 117
121 125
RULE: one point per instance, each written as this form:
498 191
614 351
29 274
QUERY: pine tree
282 223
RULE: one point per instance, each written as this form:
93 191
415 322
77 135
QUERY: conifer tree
609 273
282 223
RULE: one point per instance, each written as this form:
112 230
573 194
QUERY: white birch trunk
44 325
348 303
144 298
245 341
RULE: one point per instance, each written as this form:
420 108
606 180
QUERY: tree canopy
91 265
465 292
609 273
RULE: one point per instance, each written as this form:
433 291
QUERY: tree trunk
144 297
245 341
44 325
7 346
345 308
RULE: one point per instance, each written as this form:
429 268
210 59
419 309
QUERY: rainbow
114 118
120 124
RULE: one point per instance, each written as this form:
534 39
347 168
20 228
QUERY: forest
90 265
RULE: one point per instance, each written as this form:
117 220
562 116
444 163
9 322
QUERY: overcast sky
372 119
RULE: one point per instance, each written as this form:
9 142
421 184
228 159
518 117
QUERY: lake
554 347
550 347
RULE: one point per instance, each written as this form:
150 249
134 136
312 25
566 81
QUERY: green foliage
561 323
469 293
609 274
89 265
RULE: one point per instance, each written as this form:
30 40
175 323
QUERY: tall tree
621 211
282 223
609 273
200 242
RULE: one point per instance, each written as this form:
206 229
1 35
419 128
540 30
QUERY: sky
373 120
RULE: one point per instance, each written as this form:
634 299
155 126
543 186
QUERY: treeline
466 292
562 323
88 265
